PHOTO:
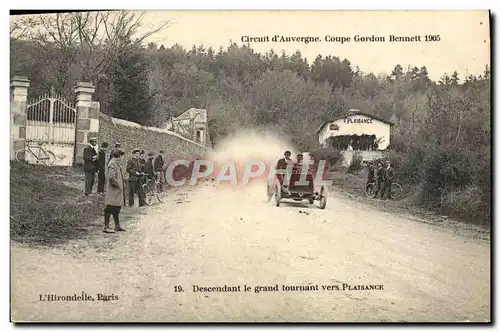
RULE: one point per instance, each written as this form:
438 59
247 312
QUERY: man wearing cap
142 160
134 172
300 158
90 165
101 168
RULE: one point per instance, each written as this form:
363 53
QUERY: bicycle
396 190
45 157
151 191
159 187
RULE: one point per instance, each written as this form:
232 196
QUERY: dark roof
351 113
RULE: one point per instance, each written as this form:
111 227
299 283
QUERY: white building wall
350 126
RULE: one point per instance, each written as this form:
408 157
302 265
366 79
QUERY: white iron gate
51 124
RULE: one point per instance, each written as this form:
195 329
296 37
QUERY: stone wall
132 135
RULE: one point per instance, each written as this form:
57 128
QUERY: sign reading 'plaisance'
351 120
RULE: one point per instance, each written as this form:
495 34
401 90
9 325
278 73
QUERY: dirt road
215 237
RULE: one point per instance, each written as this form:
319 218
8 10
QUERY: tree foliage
129 97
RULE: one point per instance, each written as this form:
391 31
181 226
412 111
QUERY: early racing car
293 189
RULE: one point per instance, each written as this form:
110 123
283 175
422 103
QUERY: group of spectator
111 179
142 169
383 177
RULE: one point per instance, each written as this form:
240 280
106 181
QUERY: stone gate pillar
18 106
87 125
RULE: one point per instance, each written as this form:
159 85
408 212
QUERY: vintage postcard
250 166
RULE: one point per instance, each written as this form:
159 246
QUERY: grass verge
47 205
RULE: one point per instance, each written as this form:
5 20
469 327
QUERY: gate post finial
84 92
18 105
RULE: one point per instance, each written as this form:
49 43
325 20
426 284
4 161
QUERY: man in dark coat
90 165
142 160
389 178
158 166
135 185
380 179
370 173
101 168
149 167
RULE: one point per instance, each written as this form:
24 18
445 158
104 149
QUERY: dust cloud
249 145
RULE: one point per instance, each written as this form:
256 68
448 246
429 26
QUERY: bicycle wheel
49 159
148 194
160 193
371 189
21 156
396 190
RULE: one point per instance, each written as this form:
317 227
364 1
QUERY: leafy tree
129 96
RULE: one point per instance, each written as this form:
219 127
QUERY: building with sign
356 131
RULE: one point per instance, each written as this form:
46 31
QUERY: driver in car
284 162
301 165
300 158
281 167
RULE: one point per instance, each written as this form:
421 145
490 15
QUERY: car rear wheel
277 194
322 199
269 193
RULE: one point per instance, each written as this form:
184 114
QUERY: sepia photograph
223 166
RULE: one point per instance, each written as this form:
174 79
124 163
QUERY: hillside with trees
442 133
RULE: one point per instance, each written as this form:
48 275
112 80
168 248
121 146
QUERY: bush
408 166
467 204
444 172
356 163
330 155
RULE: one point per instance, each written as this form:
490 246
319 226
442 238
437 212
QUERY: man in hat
90 165
101 168
117 146
134 173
